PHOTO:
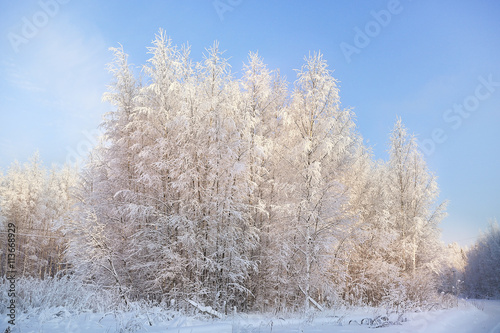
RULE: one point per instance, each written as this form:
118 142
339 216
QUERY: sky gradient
434 64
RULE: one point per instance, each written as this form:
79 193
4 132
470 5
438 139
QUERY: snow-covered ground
471 316
476 317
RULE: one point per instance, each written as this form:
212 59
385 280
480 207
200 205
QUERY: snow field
481 316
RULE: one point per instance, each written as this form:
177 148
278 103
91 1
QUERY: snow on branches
239 193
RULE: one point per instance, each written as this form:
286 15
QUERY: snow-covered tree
320 143
413 192
369 269
231 192
38 202
167 190
452 272
482 271
106 216
263 99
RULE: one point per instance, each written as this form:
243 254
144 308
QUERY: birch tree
412 194
37 201
319 150
263 101
104 220
224 192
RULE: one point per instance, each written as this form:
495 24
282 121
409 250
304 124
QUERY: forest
248 194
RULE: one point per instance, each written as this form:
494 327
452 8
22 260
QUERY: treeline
474 272
37 201
235 193
482 272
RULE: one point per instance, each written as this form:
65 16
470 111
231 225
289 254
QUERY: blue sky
434 63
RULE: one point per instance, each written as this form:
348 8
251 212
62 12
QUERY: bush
71 293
